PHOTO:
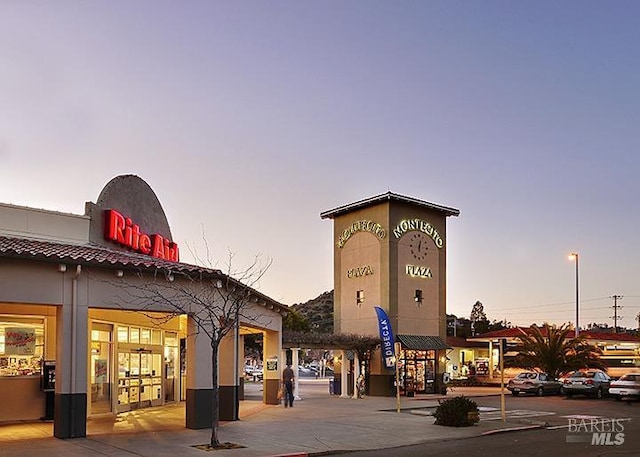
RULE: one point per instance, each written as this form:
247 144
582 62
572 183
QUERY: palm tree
549 349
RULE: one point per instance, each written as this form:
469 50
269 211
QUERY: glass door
100 368
124 370
139 380
171 366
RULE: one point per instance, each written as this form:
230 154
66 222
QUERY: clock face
418 243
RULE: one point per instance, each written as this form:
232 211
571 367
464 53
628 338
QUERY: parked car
532 382
253 372
627 386
587 382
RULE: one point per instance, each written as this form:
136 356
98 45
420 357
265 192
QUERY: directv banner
386 335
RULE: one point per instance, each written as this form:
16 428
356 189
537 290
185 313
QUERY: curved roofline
388 196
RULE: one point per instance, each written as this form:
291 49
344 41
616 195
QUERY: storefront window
134 335
21 346
417 371
145 336
123 334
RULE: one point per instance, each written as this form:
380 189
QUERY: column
199 406
70 409
241 363
490 359
356 374
227 379
344 375
295 365
273 363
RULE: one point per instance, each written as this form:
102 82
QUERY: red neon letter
158 246
145 243
115 226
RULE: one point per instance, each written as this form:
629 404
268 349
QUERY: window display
21 346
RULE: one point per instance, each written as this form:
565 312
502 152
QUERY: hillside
319 312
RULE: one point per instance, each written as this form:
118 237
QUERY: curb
294 454
510 429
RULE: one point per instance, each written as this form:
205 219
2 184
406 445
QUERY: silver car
587 382
533 382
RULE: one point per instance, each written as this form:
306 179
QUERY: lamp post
574 256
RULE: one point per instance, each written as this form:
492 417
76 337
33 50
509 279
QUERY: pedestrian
360 385
287 380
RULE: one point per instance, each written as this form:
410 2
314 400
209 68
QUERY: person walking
287 380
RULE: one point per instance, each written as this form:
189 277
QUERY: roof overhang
422 342
389 196
92 255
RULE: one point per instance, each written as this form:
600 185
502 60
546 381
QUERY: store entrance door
139 379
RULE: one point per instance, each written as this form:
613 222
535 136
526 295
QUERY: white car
627 386
254 373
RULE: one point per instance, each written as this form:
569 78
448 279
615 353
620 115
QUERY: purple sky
250 118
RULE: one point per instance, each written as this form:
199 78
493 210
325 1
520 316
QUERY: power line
559 303
615 312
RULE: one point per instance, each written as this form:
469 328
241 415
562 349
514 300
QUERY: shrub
457 412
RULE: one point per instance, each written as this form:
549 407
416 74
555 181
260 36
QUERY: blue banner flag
386 335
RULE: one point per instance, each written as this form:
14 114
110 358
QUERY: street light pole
574 256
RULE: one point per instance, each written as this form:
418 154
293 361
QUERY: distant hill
319 312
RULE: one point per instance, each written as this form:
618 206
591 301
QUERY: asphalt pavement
319 423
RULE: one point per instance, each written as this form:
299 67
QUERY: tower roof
389 196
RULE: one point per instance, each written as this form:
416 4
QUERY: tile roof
88 254
422 342
95 255
514 332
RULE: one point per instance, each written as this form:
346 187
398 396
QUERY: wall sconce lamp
62 267
418 296
218 284
170 277
359 297
119 273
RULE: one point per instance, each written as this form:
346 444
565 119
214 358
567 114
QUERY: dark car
532 382
587 382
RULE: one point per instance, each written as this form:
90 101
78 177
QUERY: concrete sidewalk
317 423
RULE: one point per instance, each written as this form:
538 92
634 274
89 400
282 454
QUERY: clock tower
390 252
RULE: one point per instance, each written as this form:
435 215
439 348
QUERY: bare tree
215 301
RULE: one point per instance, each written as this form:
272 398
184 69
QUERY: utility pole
615 312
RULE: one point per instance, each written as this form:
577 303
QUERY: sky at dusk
248 119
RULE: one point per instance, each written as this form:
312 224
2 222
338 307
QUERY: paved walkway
317 423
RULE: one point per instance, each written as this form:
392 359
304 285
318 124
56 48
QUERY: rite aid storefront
76 342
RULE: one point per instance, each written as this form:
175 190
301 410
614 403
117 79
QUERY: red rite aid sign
123 231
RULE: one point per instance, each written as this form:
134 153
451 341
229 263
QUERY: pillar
344 375
70 410
490 359
228 379
241 363
295 364
356 374
273 364
199 406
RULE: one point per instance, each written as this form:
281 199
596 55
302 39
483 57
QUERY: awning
422 342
